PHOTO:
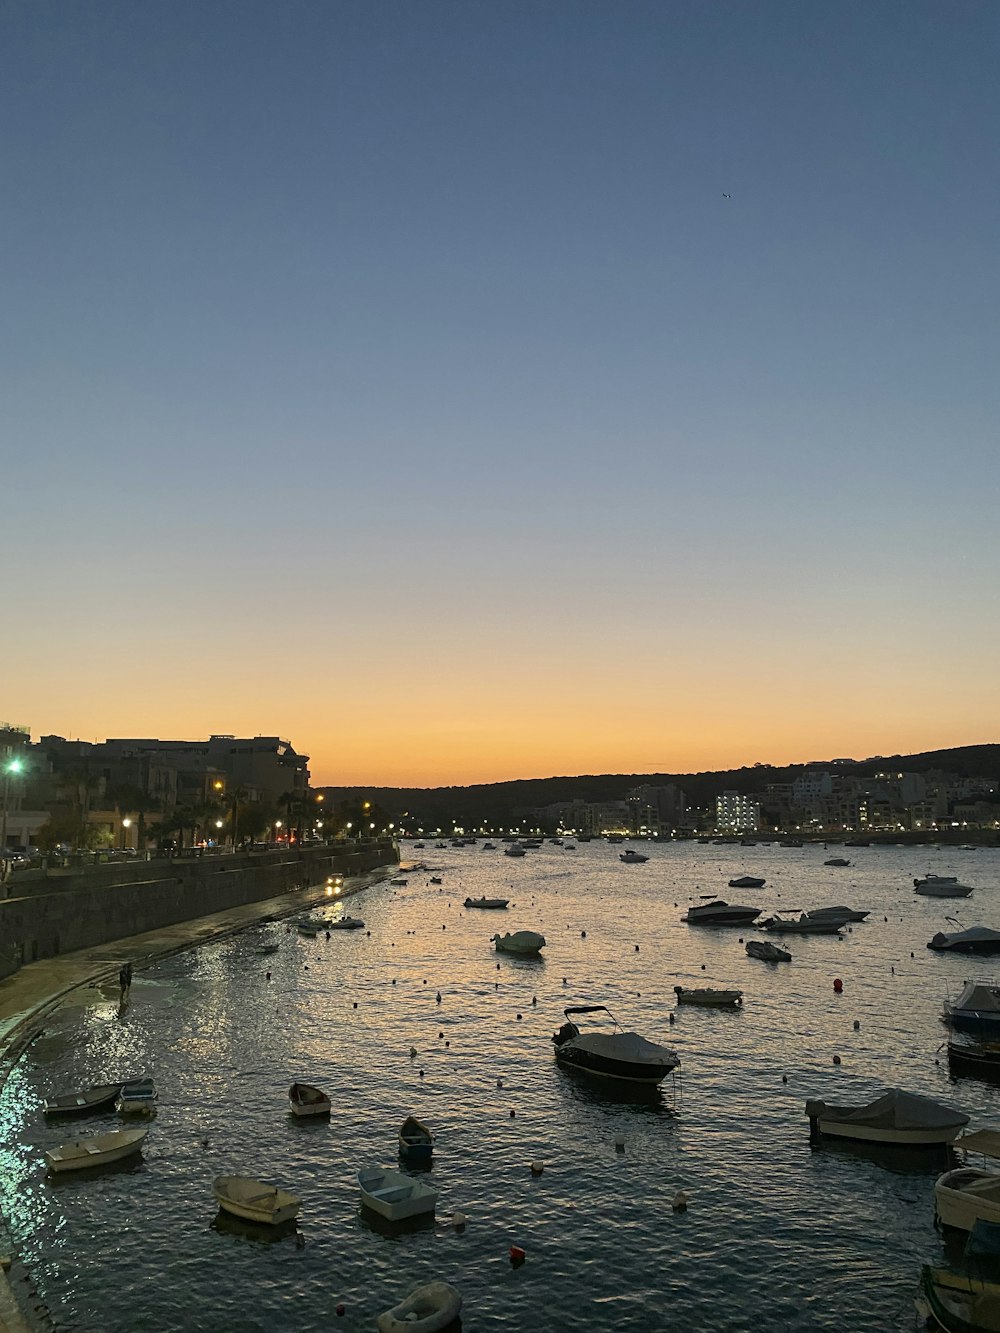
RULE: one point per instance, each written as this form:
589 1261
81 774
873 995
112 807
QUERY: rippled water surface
778 1235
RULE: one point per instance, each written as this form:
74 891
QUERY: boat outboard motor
566 1033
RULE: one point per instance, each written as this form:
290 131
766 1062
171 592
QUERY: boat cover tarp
984 1241
627 1046
986 1141
975 935
895 1109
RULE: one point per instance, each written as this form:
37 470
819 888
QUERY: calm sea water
778 1235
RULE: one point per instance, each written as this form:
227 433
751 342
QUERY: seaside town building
736 813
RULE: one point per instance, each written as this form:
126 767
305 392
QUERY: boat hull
84 1153
957 1207
621 1071
398 1197
254 1202
428 1309
99 1098
896 1138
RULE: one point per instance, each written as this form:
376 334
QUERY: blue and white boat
976 1010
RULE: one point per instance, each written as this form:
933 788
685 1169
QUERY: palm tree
132 800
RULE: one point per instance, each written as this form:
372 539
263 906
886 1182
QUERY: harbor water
779 1234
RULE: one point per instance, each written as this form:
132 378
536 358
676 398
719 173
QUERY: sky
470 391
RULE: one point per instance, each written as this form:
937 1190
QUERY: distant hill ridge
496 799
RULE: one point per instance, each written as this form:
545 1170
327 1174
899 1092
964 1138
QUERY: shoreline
39 988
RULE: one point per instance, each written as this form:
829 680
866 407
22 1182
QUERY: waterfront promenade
27 996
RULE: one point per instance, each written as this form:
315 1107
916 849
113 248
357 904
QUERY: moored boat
522 942
719 913
941 886
346 923
307 928
767 952
416 1143
976 1010
427 1309
255 1201
842 914
137 1097
489 903
305 1100
266 949
836 861
976 939
803 924
515 849
896 1118
632 857
980 1059
747 882
708 996
615 1055
101 1097
393 1195
967 1195
99 1150
957 1302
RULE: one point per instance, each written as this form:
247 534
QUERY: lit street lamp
126 825
10 769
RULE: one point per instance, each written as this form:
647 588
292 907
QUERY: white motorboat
967 1195
98 1150
897 1118
427 1309
632 858
941 886
254 1201
522 941
803 924
837 861
494 904
842 914
515 849
977 939
708 996
346 923
767 952
305 1100
617 1054
719 913
393 1195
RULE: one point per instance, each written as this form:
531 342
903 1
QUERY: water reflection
590 1091
228 1225
405 1226
900 1161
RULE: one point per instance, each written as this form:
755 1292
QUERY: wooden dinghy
99 1150
101 1097
416 1143
427 1309
254 1201
495 903
305 1100
137 1097
393 1195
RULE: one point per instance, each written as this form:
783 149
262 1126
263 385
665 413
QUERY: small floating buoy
267 976
892 970
620 1142
534 999
838 985
355 1004
339 1309
413 1052
564 981
447 1043
836 1059
857 1025
583 934
703 967
741 939
513 1113
394 981
438 998
912 954
440 1036
672 1019
784 1078
637 948
537 1168
517 1255
498 967
679 1202
499 1082
458 1221
519 1018
421 1073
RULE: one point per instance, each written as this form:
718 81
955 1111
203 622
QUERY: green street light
11 768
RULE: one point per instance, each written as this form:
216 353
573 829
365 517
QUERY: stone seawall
68 910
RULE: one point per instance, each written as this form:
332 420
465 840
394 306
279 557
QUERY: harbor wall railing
52 911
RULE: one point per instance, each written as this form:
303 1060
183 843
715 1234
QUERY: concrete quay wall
69 910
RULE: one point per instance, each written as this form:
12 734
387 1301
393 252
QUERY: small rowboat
427 1309
307 928
267 948
394 1195
524 942
101 1097
254 1201
137 1097
416 1143
97 1151
708 996
305 1100
487 902
346 923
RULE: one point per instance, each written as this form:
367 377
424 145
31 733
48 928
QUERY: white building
736 813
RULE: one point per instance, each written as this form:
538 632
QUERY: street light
10 769
126 825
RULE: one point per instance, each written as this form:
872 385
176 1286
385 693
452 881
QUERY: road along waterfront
779 1234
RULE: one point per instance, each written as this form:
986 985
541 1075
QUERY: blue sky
383 318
